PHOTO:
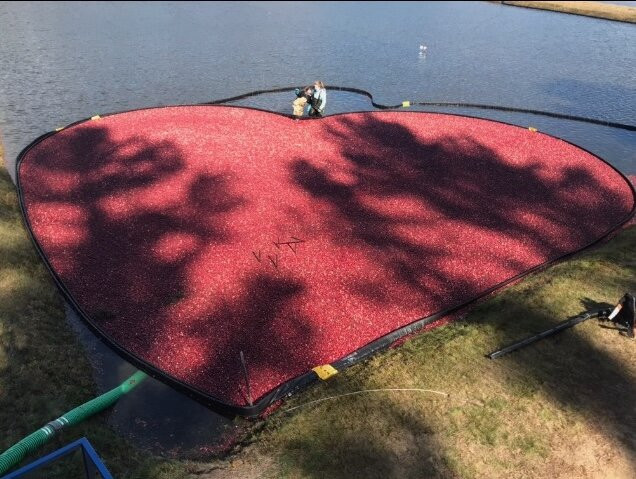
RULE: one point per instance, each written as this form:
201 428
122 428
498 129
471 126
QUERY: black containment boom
622 315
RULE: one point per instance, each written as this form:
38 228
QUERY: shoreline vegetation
620 13
508 417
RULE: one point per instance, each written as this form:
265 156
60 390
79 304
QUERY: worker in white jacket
317 106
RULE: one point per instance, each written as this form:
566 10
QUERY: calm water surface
60 62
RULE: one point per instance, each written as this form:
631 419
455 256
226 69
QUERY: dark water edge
154 417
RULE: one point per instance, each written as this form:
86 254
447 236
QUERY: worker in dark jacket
303 97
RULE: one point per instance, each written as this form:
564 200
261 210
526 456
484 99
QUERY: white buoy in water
423 48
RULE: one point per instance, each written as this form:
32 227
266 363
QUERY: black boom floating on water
622 315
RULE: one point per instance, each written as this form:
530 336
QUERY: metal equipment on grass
622 315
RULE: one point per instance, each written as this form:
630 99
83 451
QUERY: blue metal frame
92 463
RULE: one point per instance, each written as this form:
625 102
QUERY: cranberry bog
231 251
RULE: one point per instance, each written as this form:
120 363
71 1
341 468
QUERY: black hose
568 323
380 106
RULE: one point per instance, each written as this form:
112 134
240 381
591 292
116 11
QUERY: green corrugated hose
17 452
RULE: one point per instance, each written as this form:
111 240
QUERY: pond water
60 62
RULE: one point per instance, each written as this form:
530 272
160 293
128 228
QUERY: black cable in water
380 106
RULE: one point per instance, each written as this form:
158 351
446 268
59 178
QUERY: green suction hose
32 442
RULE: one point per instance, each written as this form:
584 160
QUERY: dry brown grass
621 13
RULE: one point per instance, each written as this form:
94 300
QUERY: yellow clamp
325 371
532 129
59 129
96 117
406 104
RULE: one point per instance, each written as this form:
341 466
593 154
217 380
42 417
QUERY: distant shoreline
620 13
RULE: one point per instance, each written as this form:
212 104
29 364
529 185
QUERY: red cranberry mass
189 234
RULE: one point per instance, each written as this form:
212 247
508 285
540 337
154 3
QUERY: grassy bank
621 13
561 408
